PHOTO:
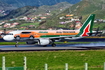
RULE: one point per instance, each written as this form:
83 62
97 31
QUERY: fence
25 66
12 68
66 66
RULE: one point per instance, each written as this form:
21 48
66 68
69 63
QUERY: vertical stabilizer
87 26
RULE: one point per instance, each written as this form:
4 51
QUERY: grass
27 24
100 25
56 59
13 43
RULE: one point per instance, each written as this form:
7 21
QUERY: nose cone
8 37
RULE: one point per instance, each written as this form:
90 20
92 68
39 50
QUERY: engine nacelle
44 41
30 42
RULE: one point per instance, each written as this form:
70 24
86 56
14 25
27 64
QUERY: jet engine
44 41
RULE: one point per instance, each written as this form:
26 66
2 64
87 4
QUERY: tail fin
87 26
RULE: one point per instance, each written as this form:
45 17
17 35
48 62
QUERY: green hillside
32 10
89 7
84 9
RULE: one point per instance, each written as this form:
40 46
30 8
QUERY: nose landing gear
16 45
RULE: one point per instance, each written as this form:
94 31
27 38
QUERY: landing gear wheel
16 45
31 37
53 45
17 38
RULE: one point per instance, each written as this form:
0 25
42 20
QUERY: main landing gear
53 44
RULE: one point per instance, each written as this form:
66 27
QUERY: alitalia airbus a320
45 37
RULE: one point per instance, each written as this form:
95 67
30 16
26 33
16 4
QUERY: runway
77 40
41 48
99 45
89 46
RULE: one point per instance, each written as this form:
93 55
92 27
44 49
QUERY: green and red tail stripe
87 26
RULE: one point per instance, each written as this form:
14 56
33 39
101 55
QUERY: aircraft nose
8 37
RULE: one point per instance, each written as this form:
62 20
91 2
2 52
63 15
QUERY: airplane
45 37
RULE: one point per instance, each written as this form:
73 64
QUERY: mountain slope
88 7
5 8
21 3
57 7
30 10
83 8
18 12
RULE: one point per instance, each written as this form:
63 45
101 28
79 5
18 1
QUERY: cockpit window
25 32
